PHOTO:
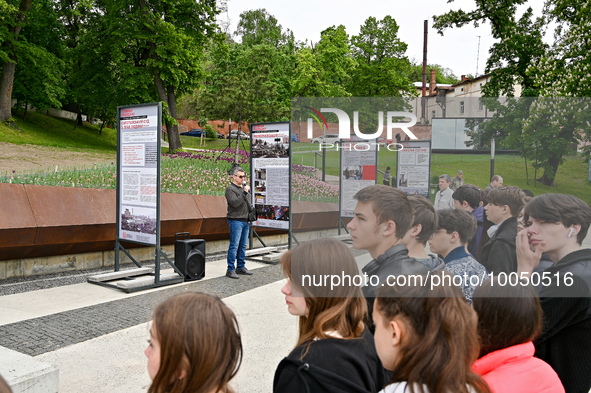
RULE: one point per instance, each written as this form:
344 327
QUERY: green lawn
56 132
571 177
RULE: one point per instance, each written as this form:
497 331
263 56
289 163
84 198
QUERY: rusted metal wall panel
314 216
17 222
178 213
44 220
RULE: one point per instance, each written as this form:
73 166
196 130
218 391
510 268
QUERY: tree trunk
162 96
7 76
26 109
6 81
536 168
548 178
78 118
238 138
174 139
167 97
525 159
101 129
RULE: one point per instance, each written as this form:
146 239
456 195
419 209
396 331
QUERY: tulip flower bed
204 172
306 186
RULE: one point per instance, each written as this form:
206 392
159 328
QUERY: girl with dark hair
335 351
509 318
195 345
427 337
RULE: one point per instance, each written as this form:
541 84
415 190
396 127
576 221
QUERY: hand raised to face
527 259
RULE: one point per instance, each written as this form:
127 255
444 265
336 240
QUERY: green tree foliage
248 83
553 124
258 27
564 68
39 75
76 25
103 73
146 44
39 79
324 70
380 58
519 42
520 57
510 58
12 23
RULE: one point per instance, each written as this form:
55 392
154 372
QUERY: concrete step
272 257
135 283
26 374
120 274
259 251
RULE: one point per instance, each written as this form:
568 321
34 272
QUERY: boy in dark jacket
423 226
557 225
468 198
383 216
454 229
498 254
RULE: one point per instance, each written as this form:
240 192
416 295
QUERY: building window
480 105
461 107
462 89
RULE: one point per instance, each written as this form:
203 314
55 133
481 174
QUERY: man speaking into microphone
238 198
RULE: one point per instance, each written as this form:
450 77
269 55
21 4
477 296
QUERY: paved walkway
97 335
115 362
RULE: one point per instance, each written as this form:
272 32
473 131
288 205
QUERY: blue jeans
238 240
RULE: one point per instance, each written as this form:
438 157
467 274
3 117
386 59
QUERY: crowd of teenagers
483 334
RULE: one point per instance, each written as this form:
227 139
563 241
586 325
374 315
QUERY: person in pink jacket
509 318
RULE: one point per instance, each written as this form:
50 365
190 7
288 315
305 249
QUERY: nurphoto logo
345 123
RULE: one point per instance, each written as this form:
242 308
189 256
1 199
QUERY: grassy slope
50 131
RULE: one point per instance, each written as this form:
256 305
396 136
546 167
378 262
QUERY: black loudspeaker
189 257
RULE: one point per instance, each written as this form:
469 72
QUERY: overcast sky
457 49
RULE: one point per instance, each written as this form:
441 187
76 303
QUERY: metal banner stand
341 151
423 148
138 121
281 129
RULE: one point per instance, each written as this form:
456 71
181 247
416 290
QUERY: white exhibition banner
413 167
359 158
138 173
270 145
